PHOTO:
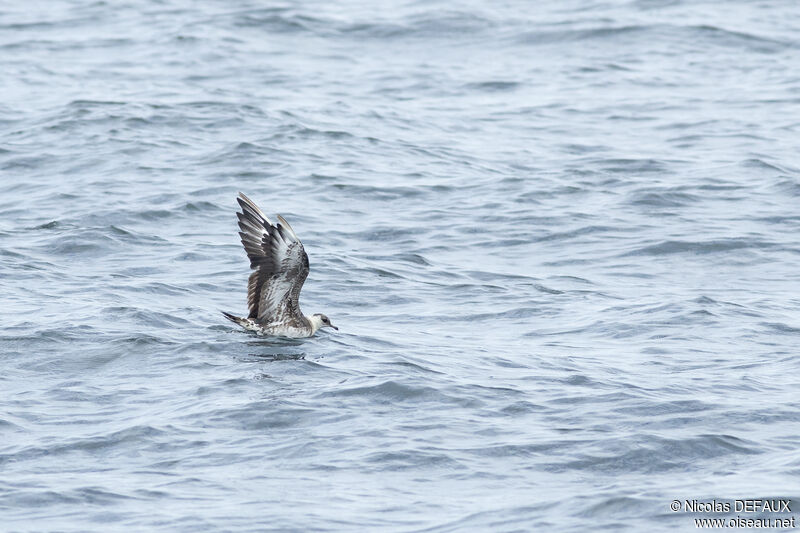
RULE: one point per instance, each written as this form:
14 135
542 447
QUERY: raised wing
280 266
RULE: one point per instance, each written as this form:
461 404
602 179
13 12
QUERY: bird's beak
334 327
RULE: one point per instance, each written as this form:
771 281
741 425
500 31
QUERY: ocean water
560 241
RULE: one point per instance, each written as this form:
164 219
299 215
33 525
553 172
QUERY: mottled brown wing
279 263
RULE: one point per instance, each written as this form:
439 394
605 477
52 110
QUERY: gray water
560 241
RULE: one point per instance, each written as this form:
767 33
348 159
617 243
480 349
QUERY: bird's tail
235 319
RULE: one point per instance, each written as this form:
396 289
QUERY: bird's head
318 320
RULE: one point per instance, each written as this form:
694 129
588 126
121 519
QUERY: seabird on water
280 265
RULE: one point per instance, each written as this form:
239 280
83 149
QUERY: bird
280 267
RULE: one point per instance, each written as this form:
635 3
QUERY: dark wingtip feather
249 205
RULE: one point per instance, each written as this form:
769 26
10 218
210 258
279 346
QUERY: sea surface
560 239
